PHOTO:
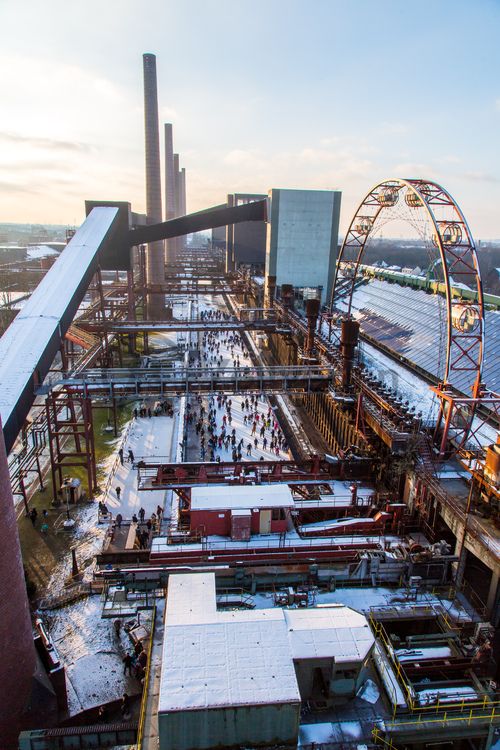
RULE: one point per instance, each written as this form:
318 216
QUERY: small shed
240 510
330 645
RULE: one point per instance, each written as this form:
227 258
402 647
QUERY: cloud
392 128
168 114
11 187
245 159
52 144
413 170
480 177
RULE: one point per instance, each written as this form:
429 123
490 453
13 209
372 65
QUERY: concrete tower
182 201
18 654
178 240
169 189
155 261
183 209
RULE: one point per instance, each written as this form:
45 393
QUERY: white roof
335 631
236 658
222 497
215 658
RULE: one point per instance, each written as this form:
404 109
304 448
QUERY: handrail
468 716
440 705
112 471
142 715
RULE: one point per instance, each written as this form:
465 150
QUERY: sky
319 94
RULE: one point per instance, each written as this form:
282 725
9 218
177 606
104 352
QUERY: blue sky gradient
262 94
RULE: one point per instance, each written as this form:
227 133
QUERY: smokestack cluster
175 193
160 254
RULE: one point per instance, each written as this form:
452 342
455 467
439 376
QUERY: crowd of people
231 429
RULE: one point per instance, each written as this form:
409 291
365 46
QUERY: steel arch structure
457 252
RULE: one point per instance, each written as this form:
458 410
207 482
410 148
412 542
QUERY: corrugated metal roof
413 324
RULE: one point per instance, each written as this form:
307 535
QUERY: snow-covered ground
146 437
363 599
40 251
231 353
92 654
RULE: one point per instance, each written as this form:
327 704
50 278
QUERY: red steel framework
465 318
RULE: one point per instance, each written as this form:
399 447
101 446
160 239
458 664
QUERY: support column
492 601
312 310
287 296
270 292
348 341
177 240
18 654
130 309
230 266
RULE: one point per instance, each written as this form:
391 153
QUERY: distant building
245 242
219 238
302 238
492 281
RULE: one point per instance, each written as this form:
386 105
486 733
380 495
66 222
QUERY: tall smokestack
169 189
182 199
155 261
177 180
18 654
183 210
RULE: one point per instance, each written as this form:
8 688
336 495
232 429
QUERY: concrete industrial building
245 242
219 238
239 678
302 238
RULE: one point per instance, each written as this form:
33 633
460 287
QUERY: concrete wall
245 242
302 237
219 522
219 237
242 726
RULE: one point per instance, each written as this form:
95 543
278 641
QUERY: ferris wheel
439 221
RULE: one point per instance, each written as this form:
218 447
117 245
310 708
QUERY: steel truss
181 381
465 318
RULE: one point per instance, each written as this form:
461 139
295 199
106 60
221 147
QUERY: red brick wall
16 636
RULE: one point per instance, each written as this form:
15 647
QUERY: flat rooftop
213 659
216 658
235 497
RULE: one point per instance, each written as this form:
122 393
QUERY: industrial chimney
170 201
155 267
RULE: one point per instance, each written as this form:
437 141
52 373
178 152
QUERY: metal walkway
123 326
162 381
